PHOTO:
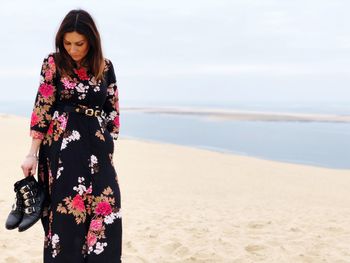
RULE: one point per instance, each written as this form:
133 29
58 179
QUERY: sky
191 51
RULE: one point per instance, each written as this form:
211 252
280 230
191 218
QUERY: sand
182 204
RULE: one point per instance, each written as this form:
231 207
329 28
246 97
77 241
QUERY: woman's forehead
74 37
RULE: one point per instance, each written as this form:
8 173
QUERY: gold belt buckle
97 112
89 112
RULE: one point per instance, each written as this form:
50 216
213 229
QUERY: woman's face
76 45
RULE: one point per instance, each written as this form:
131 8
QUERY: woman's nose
73 50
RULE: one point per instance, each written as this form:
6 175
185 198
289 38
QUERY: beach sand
182 204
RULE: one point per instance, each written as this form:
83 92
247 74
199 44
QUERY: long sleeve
44 100
111 105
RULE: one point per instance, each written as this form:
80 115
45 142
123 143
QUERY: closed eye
78 44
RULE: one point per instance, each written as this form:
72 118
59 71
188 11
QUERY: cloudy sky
191 51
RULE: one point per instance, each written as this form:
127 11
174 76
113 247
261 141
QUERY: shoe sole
11 228
20 229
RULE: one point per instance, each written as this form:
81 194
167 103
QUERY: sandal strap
29 194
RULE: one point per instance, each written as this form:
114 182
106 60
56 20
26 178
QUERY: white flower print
59 171
110 90
93 159
93 82
100 247
55 115
113 115
101 121
109 219
74 136
93 164
54 241
81 188
60 168
82 96
82 88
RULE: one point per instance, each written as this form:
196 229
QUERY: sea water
312 143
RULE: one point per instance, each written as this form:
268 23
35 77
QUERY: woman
73 124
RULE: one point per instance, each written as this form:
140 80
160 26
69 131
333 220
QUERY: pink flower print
51 61
116 120
49 235
103 208
48 75
81 74
46 90
63 121
89 190
91 239
67 84
50 130
34 119
78 203
52 64
96 225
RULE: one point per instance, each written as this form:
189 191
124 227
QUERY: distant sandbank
240 115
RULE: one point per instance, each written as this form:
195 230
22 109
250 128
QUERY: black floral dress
82 215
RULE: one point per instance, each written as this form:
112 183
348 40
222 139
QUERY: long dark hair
80 21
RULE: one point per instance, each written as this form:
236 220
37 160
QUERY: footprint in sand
258 224
295 229
171 247
130 247
12 260
335 229
182 251
254 249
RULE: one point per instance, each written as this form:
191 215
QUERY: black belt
80 109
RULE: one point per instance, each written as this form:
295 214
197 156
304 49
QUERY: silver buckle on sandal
29 202
24 189
29 210
28 194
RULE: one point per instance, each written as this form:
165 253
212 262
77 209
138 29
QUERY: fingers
32 172
28 173
28 170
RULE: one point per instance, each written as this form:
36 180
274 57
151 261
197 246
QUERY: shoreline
230 153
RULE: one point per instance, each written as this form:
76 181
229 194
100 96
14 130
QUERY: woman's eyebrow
75 42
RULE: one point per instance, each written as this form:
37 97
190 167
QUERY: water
312 143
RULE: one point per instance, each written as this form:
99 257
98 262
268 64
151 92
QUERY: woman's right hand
29 165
